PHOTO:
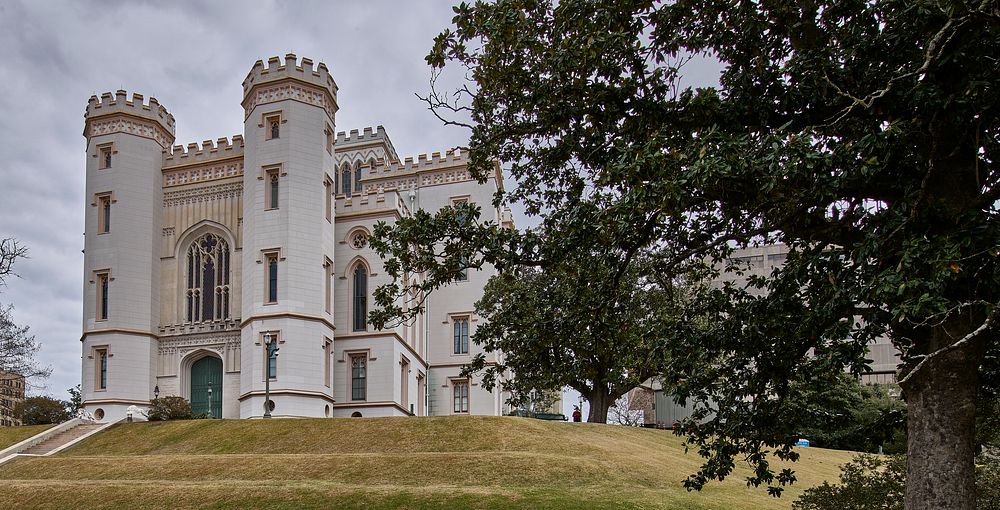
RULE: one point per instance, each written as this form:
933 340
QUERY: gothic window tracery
208 288
357 176
346 179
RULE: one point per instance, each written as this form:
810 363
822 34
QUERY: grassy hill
440 462
10 436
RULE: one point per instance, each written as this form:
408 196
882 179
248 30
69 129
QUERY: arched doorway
206 373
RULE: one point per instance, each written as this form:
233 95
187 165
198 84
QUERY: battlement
367 135
436 161
208 151
278 69
118 103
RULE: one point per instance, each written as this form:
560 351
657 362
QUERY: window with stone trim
359 376
460 396
460 328
104 213
360 298
272 178
272 126
345 179
103 281
328 199
104 157
101 368
271 277
327 355
207 275
328 276
357 176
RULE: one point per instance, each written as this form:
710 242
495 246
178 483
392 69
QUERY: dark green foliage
601 339
843 414
41 411
863 134
169 408
872 482
988 486
75 399
866 483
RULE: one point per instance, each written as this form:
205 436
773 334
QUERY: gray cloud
192 57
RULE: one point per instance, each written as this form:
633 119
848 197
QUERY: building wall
11 394
762 261
167 197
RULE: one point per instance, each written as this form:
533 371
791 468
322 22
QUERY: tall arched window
345 180
357 176
360 308
208 279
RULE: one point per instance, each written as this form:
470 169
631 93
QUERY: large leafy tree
574 324
18 348
864 134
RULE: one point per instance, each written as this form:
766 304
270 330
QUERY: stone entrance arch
203 370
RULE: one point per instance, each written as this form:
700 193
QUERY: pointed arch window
345 180
360 301
357 176
208 279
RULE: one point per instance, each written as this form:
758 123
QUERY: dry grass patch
457 462
10 436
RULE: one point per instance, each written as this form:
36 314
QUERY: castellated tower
125 140
288 226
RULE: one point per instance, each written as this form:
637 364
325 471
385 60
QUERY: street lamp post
271 343
210 399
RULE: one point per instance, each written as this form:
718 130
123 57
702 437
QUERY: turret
288 243
125 140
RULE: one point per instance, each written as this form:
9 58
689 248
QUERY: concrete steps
61 439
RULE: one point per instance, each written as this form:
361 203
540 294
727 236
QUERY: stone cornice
203 172
120 122
293 89
208 193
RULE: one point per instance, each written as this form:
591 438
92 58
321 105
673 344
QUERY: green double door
206 373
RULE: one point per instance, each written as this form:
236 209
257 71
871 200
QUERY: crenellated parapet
436 161
290 79
353 140
114 113
209 161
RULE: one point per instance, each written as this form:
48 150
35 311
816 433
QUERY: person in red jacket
577 415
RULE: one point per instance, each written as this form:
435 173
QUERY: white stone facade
193 255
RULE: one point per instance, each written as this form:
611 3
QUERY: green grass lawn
440 462
10 436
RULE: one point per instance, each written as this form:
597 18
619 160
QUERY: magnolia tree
864 134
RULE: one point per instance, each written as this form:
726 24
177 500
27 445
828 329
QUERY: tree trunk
941 416
600 402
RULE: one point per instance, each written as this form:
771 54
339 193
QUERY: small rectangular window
272 126
327 354
271 261
359 369
105 158
328 193
102 368
329 139
460 395
272 364
461 335
328 285
404 383
103 296
103 214
271 199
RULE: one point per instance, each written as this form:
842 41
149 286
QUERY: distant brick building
11 393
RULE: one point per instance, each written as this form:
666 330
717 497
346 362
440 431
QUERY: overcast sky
193 59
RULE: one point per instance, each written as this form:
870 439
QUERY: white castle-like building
195 256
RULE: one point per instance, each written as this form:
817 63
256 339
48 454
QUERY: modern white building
196 256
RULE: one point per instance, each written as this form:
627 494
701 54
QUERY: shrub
867 482
871 482
41 411
169 408
988 487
